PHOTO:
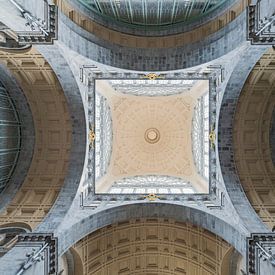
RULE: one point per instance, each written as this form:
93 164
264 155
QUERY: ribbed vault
52 137
252 126
153 246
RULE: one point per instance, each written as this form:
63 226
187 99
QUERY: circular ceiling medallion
152 135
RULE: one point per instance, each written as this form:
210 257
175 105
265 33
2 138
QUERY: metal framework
157 87
10 137
200 136
151 184
152 13
103 135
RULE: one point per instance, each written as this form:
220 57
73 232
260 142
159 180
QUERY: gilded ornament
212 137
151 197
92 137
153 76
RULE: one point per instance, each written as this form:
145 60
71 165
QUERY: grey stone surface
143 59
12 262
27 137
68 235
233 185
272 137
266 268
78 149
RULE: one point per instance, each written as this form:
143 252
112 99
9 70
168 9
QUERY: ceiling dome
152 12
9 137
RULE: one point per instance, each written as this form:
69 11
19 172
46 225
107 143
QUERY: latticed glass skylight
200 136
103 135
158 87
152 12
9 137
152 184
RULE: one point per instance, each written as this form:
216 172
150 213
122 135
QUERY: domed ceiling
150 138
9 137
152 12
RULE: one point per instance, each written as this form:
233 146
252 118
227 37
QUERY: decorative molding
89 199
159 87
152 197
212 138
92 137
260 247
153 76
9 39
43 30
260 30
44 248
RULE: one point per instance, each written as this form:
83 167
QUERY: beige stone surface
153 246
52 137
251 138
167 120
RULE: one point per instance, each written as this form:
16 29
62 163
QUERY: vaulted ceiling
253 141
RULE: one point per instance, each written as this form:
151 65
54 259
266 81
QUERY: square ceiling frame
213 76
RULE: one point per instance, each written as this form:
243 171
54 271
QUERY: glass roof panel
9 137
152 12
200 135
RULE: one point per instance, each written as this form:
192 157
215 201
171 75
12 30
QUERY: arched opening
252 138
153 246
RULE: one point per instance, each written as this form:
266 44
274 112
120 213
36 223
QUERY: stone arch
26 137
49 165
69 235
78 140
72 263
251 133
231 262
225 138
152 245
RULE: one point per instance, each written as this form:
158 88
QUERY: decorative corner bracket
260 28
43 248
260 248
43 31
